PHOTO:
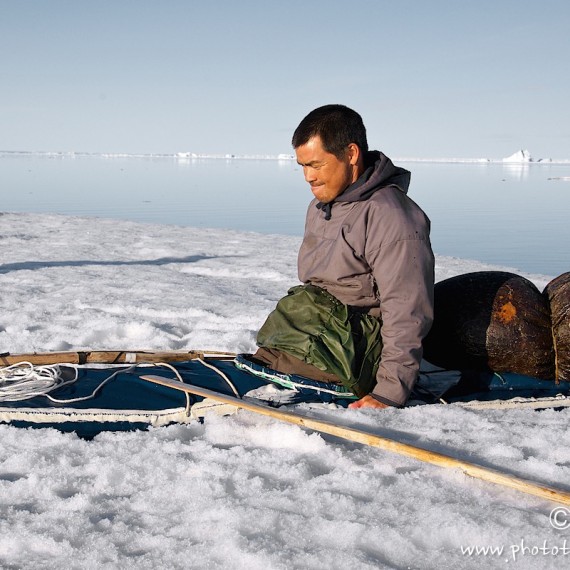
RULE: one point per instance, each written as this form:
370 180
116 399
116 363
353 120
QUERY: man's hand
368 402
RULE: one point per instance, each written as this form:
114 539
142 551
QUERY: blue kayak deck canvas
127 401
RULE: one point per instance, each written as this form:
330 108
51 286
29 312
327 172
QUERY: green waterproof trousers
315 327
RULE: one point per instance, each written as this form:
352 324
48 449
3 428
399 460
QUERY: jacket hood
379 173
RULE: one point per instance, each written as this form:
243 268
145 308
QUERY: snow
242 491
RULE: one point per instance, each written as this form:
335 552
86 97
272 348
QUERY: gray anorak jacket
370 248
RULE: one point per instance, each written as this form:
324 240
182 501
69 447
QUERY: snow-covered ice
242 491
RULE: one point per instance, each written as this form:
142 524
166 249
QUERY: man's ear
354 153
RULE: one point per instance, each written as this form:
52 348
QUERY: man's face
327 175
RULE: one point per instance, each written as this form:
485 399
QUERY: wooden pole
108 357
359 436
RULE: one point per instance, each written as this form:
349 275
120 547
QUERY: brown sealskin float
499 321
558 293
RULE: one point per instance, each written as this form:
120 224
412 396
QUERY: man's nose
309 174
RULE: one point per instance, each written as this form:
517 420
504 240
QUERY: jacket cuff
385 401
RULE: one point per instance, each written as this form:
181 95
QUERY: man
366 262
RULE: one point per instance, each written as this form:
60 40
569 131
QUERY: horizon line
186 156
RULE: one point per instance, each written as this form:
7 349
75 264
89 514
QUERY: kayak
94 391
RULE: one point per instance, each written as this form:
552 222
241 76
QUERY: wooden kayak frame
111 357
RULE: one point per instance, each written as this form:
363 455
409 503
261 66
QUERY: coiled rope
23 381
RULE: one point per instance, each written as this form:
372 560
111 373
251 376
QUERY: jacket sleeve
404 273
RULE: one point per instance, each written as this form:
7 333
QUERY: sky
431 79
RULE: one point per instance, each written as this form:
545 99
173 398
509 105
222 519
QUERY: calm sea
518 216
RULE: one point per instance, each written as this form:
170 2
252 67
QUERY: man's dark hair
336 125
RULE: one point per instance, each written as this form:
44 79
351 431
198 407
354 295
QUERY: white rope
23 380
94 393
180 379
558 401
169 366
212 367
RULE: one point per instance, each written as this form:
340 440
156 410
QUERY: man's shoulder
396 215
390 197
390 203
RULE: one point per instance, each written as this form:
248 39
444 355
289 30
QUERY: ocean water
513 215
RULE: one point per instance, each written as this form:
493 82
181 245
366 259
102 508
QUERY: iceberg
519 157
